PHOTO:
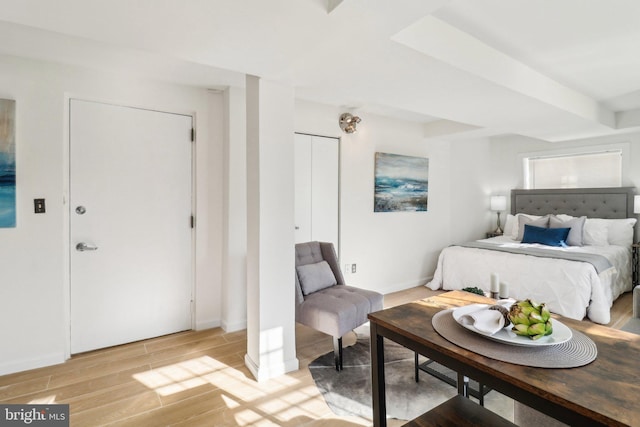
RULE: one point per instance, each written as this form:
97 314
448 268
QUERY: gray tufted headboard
615 202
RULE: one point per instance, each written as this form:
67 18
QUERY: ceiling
547 69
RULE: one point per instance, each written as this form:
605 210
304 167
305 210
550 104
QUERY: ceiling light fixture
348 122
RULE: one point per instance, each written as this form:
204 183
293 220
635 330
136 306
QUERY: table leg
463 385
377 378
635 255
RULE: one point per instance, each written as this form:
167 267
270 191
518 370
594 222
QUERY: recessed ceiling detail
441 41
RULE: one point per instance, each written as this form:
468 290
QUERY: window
588 170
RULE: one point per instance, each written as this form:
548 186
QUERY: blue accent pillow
546 236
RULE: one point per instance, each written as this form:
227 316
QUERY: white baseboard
34 363
226 326
207 324
238 325
263 373
396 287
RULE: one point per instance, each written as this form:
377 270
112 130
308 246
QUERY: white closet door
302 187
317 188
325 189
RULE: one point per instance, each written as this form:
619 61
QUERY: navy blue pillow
546 236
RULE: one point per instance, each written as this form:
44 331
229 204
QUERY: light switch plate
38 206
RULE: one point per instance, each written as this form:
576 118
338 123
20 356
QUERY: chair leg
416 373
337 352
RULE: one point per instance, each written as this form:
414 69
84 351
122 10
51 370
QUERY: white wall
395 251
33 256
471 190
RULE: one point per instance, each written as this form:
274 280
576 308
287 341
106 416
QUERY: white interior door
130 206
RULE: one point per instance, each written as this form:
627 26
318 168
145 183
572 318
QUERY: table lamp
498 204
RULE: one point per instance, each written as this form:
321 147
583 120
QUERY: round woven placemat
580 350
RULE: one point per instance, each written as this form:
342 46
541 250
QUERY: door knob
81 247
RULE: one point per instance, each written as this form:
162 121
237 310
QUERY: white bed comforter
570 288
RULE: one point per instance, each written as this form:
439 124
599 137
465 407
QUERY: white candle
495 282
504 290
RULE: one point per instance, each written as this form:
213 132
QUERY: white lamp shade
636 204
498 203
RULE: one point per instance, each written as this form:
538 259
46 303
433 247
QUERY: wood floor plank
14 390
88 387
115 411
229 354
236 336
33 374
182 411
181 338
189 347
100 369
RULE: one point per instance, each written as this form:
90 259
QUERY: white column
270 230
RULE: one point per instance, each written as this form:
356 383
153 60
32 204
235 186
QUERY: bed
576 281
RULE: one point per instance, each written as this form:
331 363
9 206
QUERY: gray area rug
349 392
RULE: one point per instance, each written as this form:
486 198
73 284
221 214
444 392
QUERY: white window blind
589 170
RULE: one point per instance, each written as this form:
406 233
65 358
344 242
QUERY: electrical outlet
353 268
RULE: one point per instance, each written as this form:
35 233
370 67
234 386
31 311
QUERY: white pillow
508 225
576 225
527 220
565 217
315 277
621 231
596 232
513 232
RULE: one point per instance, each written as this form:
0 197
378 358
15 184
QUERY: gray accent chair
323 301
633 325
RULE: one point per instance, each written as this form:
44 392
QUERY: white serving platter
561 333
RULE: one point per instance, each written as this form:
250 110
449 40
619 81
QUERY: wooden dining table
605 392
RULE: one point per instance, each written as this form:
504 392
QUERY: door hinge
193 134
193 221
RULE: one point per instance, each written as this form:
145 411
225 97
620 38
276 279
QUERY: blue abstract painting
7 163
402 183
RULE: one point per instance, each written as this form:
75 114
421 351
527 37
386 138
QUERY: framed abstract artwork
7 163
401 183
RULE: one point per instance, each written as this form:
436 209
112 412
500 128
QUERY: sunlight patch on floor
229 402
278 400
47 400
181 376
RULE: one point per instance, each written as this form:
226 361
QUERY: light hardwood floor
195 379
